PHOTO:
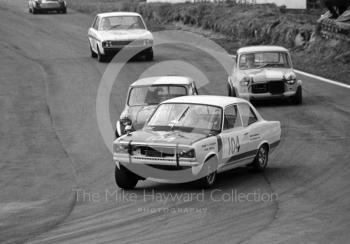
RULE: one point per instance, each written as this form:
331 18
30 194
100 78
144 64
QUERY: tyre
100 57
210 174
93 54
261 158
30 10
34 11
124 178
64 11
231 91
298 97
149 55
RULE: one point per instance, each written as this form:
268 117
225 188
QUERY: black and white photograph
174 121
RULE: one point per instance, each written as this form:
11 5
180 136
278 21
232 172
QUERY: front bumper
270 95
142 50
140 159
268 90
48 9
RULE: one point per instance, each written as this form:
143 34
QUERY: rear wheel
298 97
124 178
261 158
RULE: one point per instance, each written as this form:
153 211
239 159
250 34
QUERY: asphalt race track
52 152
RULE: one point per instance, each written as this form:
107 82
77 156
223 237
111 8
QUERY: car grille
50 5
259 88
157 152
120 43
274 87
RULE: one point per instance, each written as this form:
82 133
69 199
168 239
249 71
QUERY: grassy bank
246 25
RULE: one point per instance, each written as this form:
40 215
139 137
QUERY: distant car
110 32
264 72
206 134
145 94
39 6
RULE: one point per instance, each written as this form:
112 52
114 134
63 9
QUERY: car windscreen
153 95
187 117
122 23
264 59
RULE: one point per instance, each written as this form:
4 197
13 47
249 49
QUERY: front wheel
100 57
261 158
231 91
298 97
149 55
124 178
93 54
210 174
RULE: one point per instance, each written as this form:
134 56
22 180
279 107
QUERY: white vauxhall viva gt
110 32
192 138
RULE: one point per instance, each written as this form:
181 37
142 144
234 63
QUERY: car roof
163 80
110 14
220 101
253 49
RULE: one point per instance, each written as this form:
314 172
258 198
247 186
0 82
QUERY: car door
233 137
251 125
93 34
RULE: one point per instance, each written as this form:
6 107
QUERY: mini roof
110 14
163 80
253 49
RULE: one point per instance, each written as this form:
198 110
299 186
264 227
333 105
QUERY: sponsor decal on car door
234 140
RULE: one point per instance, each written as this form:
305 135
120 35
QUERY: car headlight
148 42
120 148
245 81
125 121
290 78
187 153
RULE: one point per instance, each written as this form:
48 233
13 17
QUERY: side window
231 117
95 24
247 113
194 89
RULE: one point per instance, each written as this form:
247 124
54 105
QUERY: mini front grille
276 87
259 88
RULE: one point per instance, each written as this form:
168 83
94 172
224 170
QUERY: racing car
264 72
39 6
192 138
145 94
110 32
